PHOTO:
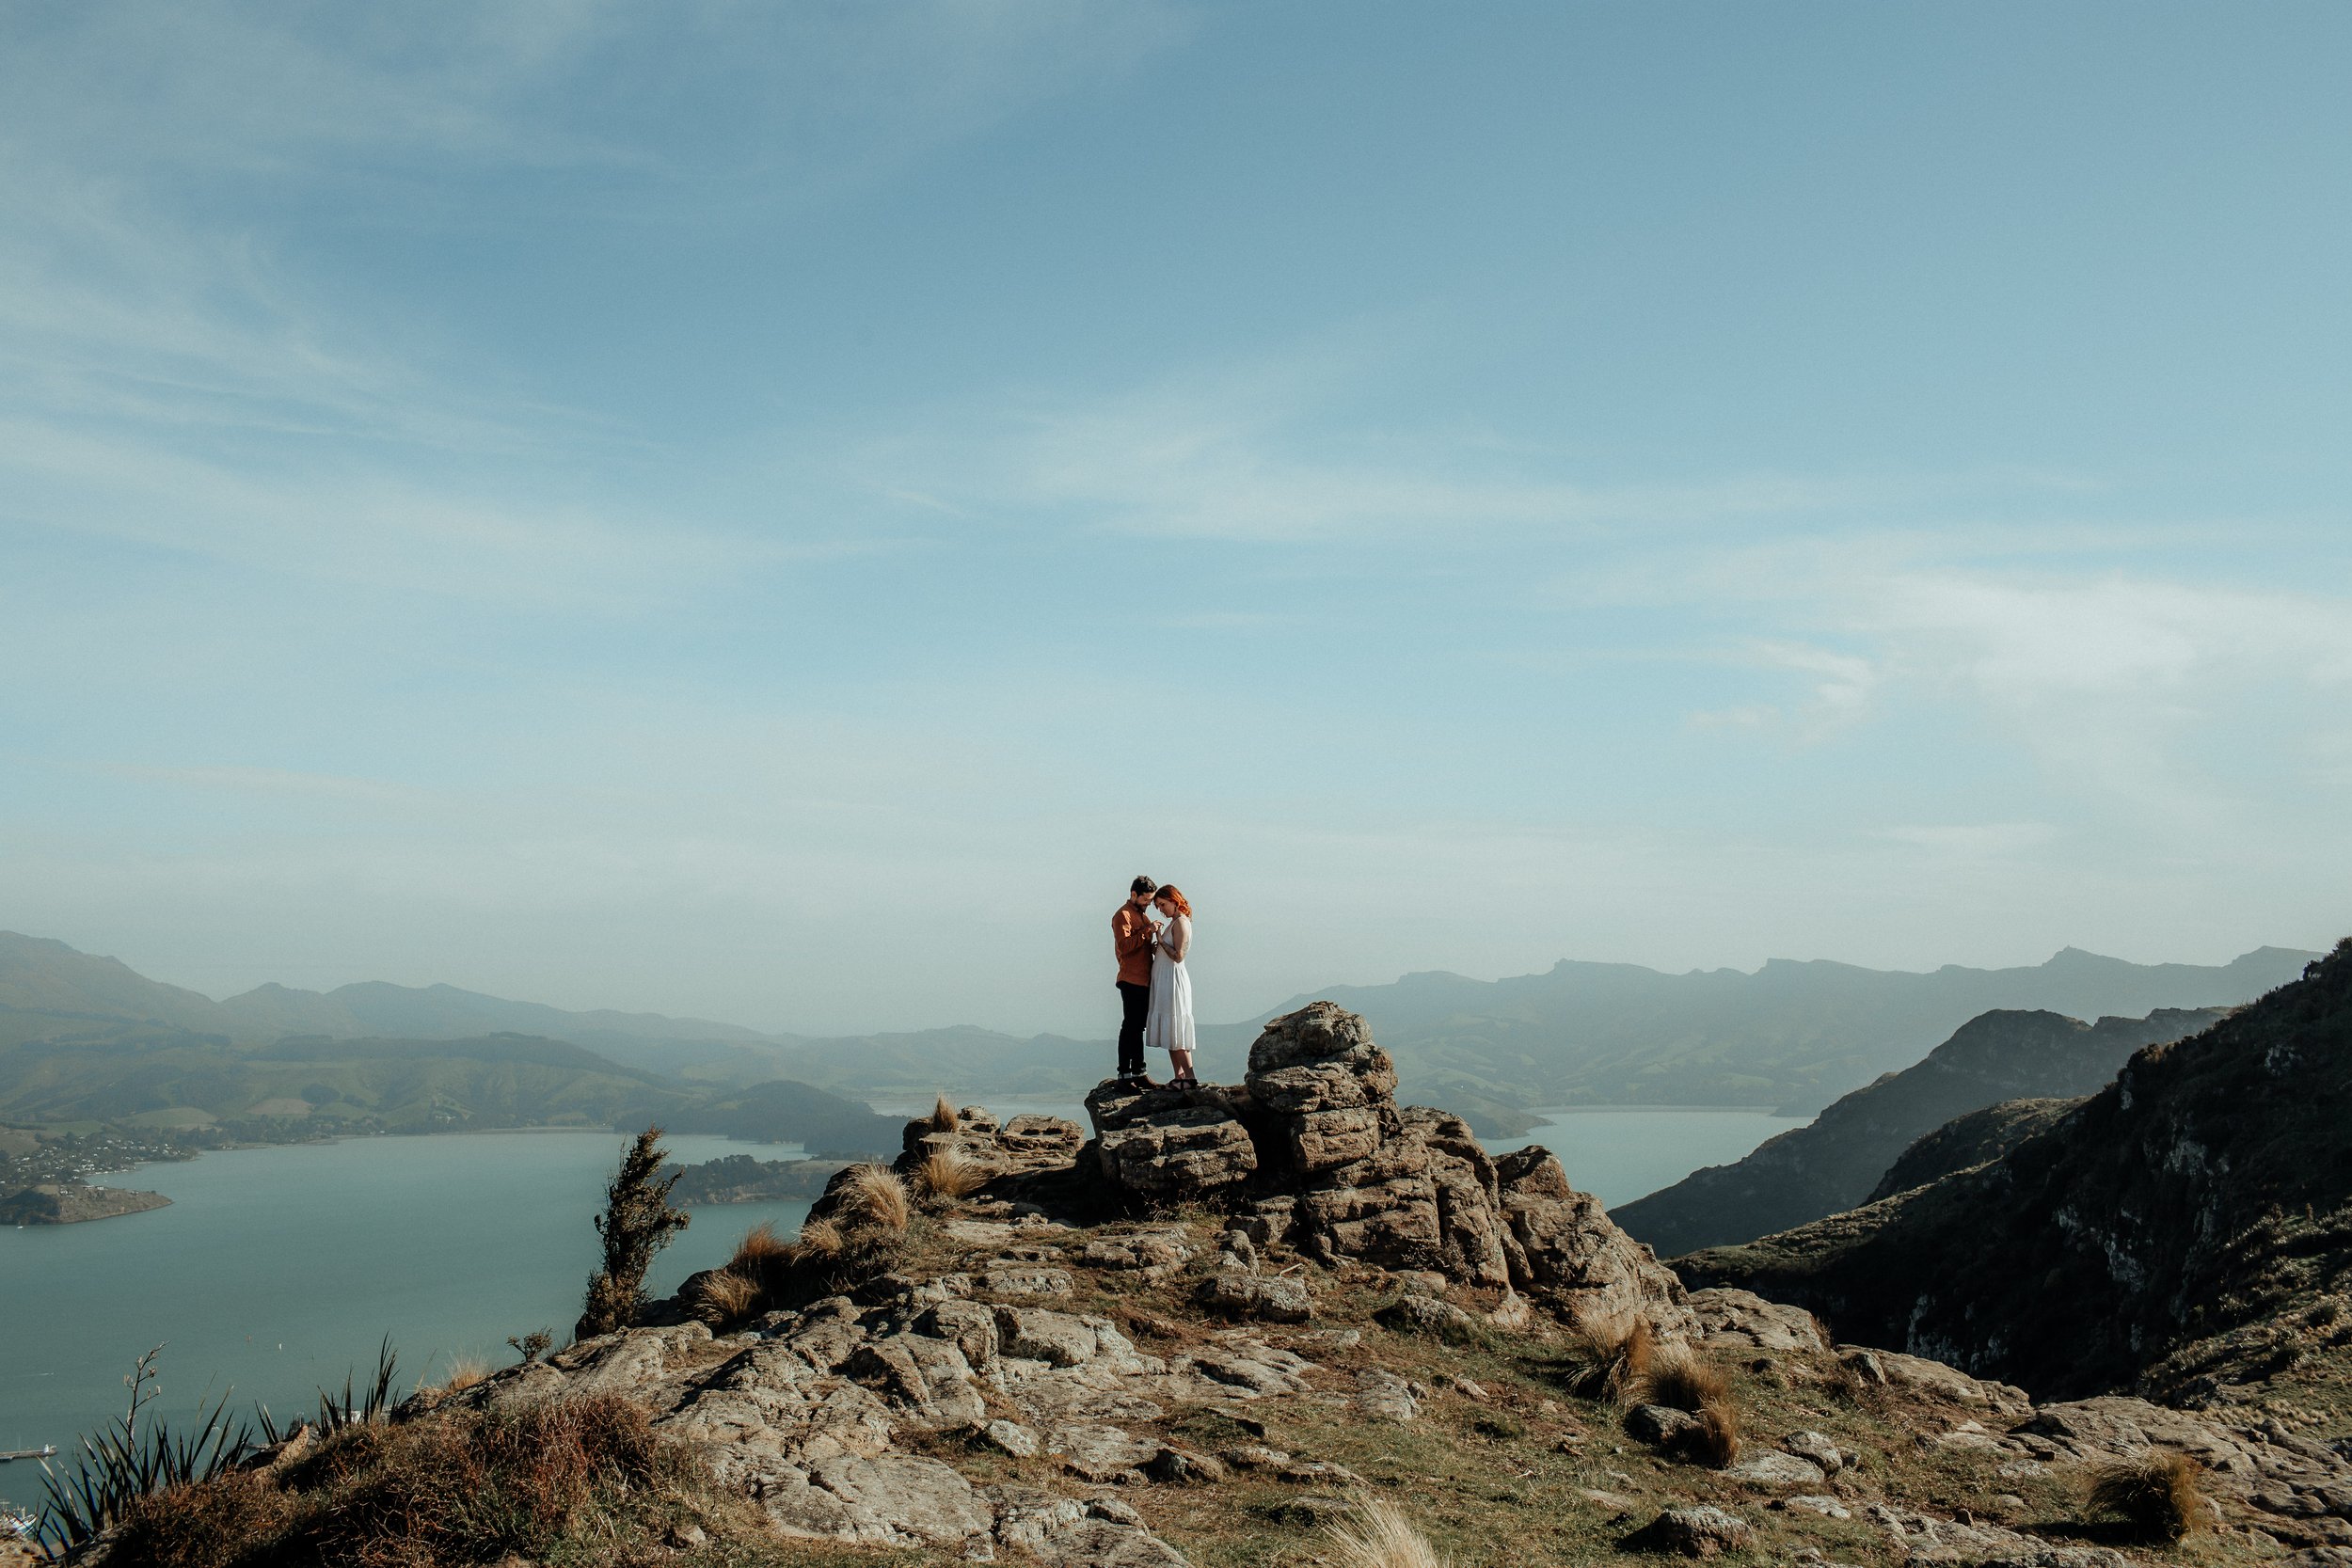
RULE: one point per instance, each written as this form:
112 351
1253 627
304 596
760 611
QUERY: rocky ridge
1194 1334
1834 1162
2185 1232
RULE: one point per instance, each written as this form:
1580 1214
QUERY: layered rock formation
1832 1163
2186 1232
1313 1147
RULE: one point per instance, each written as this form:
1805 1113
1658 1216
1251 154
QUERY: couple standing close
1155 992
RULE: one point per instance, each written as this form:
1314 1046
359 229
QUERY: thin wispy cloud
654 508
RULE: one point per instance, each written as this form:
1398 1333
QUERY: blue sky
777 511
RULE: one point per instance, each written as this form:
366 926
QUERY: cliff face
1835 1163
2187 1230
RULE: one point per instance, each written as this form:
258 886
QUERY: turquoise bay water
278 1269
1621 1152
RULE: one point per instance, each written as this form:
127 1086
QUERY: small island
72 1202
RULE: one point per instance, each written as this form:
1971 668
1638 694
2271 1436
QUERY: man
1131 940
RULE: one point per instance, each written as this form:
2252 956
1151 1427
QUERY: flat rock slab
1027 1279
1385 1397
1101 1452
1820 1503
1767 1468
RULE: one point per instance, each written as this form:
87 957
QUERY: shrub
1378 1535
2154 1493
943 1116
134 1458
637 1223
539 1483
1616 1349
950 1173
724 1296
532 1345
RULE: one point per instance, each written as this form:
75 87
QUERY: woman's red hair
1176 898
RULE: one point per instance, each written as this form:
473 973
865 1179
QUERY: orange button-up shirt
1131 939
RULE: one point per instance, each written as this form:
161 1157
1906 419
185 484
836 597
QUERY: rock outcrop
2186 1232
1832 1163
1312 1151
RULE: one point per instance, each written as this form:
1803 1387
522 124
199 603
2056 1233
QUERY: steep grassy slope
2180 1230
1833 1163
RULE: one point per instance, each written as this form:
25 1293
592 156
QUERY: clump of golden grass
2156 1494
1378 1535
943 1115
571 1480
760 1249
464 1372
1618 1348
724 1296
950 1173
874 1195
819 1239
1682 1379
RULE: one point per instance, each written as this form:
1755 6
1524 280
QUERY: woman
1167 1024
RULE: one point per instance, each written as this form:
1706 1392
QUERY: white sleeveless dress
1168 1025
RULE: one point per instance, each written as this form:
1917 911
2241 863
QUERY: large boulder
1169 1142
1314 1143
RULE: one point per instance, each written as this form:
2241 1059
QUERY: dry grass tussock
1683 1380
464 1372
1617 1349
950 1173
1378 1535
759 1250
578 1480
943 1115
724 1296
2154 1493
874 1195
820 1239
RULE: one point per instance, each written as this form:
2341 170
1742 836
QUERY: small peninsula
741 1178
72 1202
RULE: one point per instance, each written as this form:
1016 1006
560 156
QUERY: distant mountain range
1795 1036
1835 1161
1792 1035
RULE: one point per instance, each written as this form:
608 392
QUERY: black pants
1135 1002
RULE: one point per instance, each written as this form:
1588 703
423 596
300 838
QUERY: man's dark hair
1143 884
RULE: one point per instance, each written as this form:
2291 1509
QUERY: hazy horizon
1082 1031
776 514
